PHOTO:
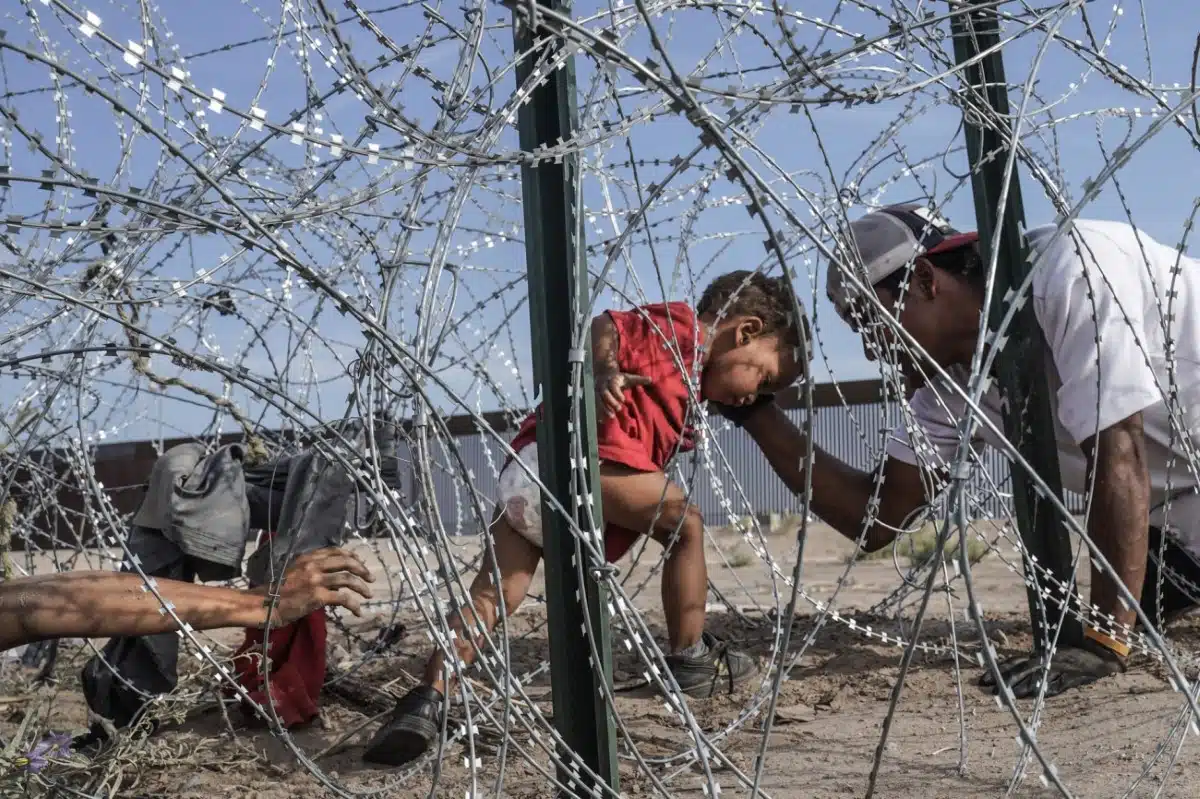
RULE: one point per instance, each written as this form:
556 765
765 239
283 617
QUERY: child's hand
610 392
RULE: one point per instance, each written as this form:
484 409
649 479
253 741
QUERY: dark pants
1180 589
195 521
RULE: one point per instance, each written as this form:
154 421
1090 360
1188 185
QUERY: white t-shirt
1106 282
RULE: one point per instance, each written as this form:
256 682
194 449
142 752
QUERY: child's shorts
521 498
521 503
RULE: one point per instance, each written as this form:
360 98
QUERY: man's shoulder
1084 227
1089 242
1097 248
1052 244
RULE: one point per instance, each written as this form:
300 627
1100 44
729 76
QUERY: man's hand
738 415
803 356
610 391
1070 667
317 579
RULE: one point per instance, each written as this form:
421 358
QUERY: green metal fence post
1020 365
558 293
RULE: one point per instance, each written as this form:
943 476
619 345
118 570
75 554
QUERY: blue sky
479 318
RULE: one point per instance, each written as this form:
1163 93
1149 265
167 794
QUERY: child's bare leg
648 502
518 560
415 723
634 499
684 584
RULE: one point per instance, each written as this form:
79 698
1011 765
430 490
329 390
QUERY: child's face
744 363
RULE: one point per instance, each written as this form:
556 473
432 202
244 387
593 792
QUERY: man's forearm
1118 522
841 494
90 604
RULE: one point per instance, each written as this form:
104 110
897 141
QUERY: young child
743 338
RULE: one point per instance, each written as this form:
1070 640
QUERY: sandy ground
830 710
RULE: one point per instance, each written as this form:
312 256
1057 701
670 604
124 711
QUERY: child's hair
746 293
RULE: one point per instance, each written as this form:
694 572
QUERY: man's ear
925 278
748 329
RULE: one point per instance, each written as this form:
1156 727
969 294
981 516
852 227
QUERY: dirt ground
829 711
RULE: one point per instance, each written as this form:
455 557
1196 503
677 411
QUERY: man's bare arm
840 493
94 604
1119 520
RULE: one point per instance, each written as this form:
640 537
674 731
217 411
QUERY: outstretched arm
841 494
93 604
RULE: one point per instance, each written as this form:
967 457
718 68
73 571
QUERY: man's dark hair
746 293
964 262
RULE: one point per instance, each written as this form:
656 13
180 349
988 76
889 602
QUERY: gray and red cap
889 239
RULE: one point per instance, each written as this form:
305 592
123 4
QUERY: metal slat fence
728 470
739 482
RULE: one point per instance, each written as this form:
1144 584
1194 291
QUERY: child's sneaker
408 733
714 669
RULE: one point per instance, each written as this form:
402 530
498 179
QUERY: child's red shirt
659 342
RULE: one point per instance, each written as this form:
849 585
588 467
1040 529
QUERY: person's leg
649 503
1180 589
515 552
517 561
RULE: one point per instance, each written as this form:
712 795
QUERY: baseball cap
888 239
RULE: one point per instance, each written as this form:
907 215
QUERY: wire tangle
299 228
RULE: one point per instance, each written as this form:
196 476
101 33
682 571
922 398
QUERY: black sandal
408 733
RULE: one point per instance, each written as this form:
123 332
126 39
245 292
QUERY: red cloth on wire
654 341
297 654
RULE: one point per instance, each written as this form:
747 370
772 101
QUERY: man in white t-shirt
1119 317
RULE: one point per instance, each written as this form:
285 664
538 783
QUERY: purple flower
52 745
35 760
61 742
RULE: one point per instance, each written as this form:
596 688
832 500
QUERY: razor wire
230 218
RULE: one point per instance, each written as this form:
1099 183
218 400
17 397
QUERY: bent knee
681 522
